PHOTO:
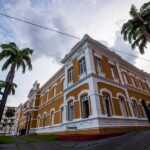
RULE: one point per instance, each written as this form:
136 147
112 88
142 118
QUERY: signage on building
72 127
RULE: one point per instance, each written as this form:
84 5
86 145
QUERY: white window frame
82 66
109 101
72 104
133 81
135 109
85 98
113 71
125 78
44 119
47 94
99 65
70 74
54 91
52 117
122 104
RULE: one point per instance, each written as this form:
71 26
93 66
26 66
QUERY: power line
63 33
18 19
128 54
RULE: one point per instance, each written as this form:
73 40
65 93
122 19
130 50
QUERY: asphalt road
131 141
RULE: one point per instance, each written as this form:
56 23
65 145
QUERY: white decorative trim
105 90
70 98
81 55
97 55
54 85
111 62
82 75
120 94
83 92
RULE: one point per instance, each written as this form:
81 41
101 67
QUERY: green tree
3 85
137 29
10 112
14 59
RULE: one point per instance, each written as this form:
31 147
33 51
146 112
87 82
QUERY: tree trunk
9 81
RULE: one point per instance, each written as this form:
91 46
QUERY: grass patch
48 137
38 138
6 140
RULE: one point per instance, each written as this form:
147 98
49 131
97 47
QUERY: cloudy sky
101 19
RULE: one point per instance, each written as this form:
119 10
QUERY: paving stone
25 146
8 146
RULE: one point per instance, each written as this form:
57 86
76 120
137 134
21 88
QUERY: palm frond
145 6
137 41
7 63
27 59
133 11
142 45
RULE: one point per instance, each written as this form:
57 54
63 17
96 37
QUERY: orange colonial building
96 91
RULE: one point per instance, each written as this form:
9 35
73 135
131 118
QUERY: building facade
95 92
7 124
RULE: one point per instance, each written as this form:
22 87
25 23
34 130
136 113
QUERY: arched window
52 118
61 114
122 106
70 110
85 106
38 121
107 102
44 120
135 109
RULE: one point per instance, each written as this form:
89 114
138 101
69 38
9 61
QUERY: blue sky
101 19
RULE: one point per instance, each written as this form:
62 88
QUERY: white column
66 77
94 97
89 61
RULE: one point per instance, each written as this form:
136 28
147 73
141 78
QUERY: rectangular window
99 65
70 74
82 65
113 71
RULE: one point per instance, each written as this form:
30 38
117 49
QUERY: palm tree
3 85
15 59
137 29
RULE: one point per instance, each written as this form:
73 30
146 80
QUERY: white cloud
100 19
43 68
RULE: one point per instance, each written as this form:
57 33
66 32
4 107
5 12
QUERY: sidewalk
131 141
